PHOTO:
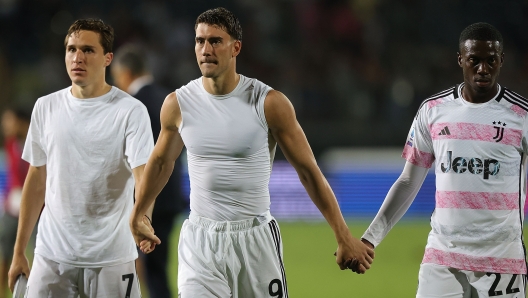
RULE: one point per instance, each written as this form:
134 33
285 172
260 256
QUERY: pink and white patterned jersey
479 152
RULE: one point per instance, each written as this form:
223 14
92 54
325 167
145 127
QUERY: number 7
130 278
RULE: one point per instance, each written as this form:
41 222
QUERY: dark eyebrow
211 39
83 47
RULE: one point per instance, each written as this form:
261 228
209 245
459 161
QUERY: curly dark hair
222 18
480 31
106 32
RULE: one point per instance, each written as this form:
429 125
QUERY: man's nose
207 49
78 57
483 68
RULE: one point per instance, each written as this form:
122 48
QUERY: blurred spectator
131 74
15 125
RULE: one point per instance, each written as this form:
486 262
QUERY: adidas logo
445 132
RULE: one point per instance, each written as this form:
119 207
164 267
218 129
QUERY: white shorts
51 279
441 281
238 259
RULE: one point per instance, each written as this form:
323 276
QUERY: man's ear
236 48
108 58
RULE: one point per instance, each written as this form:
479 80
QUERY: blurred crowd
355 70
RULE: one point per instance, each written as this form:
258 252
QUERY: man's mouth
482 82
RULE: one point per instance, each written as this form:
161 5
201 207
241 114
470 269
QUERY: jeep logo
475 165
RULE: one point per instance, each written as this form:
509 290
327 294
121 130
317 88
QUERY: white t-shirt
480 153
229 157
89 147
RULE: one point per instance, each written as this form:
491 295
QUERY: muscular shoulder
277 108
170 112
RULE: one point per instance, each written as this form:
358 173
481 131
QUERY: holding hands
355 255
143 234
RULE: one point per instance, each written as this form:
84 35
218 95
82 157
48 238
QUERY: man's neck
473 96
221 85
90 91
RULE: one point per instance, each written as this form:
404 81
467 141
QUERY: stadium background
355 71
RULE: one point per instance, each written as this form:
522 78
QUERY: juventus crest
499 127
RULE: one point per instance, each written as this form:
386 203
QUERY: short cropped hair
222 18
480 31
105 31
133 58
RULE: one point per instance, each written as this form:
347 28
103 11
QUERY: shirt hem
88 264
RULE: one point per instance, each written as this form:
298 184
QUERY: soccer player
87 146
230 124
477 134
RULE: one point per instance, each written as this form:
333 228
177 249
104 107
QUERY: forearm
323 197
156 174
396 203
31 205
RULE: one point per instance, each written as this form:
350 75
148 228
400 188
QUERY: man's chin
483 89
208 74
77 81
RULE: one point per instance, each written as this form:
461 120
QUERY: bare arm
396 203
284 127
138 175
158 168
33 194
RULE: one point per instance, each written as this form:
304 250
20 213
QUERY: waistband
230 226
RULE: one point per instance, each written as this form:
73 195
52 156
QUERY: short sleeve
418 148
139 141
34 150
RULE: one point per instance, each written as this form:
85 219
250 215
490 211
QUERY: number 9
277 293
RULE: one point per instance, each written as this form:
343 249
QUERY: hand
367 243
19 265
354 255
143 233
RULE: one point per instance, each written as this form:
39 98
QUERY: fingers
367 243
11 282
147 246
370 252
19 265
361 269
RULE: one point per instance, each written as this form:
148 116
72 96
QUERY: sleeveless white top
229 157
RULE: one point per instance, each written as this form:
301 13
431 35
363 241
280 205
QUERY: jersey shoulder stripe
515 98
439 95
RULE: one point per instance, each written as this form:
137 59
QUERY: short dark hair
106 32
222 18
480 31
133 58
